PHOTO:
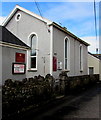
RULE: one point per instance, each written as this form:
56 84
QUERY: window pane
65 63
33 62
33 45
66 53
80 57
66 48
91 70
80 53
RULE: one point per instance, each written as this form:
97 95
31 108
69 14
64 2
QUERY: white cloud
77 17
93 43
2 19
70 11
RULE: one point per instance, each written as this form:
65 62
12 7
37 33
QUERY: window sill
59 69
66 70
32 70
81 70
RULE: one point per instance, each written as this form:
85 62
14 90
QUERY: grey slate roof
7 37
98 56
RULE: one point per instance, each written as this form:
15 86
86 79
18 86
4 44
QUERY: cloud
85 28
78 17
93 43
70 11
2 19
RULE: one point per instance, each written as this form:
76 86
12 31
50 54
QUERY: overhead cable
38 8
37 5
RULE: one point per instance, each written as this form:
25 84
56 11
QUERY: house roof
6 37
48 22
98 56
17 7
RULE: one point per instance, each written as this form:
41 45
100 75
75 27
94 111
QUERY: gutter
14 46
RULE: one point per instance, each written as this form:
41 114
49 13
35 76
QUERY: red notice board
20 57
54 63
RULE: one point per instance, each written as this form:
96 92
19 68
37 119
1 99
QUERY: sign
54 63
18 68
20 57
59 65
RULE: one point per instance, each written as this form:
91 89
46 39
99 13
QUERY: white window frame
68 54
29 56
19 17
81 57
92 69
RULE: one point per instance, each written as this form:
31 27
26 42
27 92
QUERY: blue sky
78 17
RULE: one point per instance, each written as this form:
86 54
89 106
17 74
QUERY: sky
77 17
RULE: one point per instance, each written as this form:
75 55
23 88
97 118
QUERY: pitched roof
98 56
7 37
17 7
48 22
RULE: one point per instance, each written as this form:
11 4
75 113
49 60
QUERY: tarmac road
85 105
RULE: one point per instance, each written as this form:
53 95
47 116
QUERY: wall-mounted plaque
18 68
20 57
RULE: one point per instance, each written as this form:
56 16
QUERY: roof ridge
26 11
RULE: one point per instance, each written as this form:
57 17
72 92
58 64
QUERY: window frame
68 54
81 57
91 68
29 52
17 16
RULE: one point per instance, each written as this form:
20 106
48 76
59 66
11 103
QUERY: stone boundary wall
19 96
76 82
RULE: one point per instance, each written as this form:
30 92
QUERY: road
85 105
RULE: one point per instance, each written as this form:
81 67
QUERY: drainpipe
51 50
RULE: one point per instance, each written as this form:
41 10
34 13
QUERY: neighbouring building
12 50
53 48
98 56
94 63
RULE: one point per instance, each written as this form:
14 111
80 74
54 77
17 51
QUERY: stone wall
19 96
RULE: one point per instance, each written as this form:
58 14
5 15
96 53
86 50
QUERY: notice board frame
18 66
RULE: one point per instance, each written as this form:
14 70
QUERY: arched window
81 57
66 54
33 53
